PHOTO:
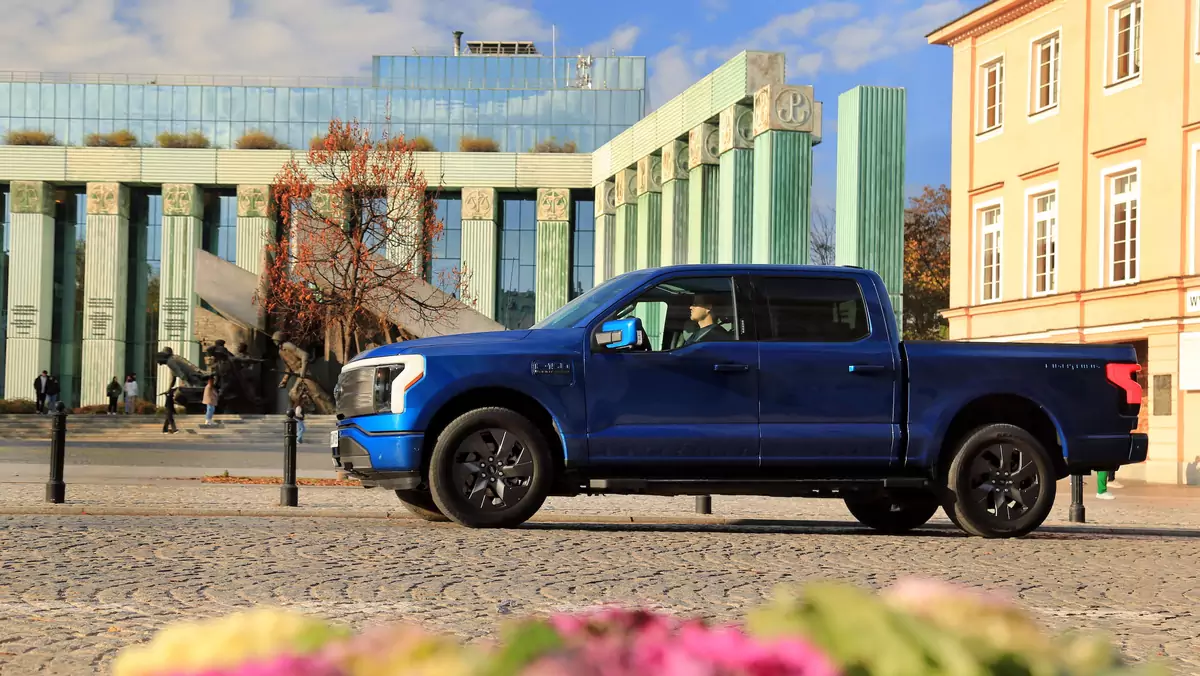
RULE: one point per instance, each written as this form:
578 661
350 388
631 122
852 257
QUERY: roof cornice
983 20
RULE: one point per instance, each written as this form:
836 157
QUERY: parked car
736 380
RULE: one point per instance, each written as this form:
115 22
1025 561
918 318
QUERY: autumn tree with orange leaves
927 264
358 224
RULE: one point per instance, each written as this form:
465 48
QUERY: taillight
1124 376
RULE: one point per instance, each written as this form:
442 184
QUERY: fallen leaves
275 481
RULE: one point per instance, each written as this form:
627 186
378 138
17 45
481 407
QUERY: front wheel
421 504
1003 483
893 514
491 468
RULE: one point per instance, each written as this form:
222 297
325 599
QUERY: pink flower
287 665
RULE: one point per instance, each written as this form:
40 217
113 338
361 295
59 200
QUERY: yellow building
1076 138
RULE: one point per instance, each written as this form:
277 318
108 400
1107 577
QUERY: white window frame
983 231
1032 220
1113 83
983 130
1108 179
1037 111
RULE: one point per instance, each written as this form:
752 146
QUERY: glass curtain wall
518 262
220 224
583 243
70 228
145 264
445 259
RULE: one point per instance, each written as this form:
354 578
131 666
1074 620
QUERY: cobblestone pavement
75 589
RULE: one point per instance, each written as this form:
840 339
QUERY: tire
468 491
893 514
421 504
1003 483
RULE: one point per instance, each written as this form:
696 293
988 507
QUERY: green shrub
30 137
342 143
552 146
258 140
122 138
10 406
191 139
471 144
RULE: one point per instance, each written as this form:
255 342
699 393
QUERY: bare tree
823 237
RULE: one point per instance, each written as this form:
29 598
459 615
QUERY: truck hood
437 343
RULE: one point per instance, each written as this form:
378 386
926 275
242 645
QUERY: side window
812 310
685 311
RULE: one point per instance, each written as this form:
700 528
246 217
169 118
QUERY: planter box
104 164
33 163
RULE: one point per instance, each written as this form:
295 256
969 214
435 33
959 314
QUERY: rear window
812 310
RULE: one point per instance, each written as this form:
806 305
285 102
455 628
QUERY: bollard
1078 514
288 494
56 488
704 504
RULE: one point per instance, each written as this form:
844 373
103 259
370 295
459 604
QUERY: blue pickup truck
736 380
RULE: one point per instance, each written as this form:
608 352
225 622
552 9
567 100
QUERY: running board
770 487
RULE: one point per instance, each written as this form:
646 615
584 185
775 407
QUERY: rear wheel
421 504
491 468
893 513
1003 482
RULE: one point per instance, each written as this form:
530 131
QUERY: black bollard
1078 514
704 504
56 488
288 494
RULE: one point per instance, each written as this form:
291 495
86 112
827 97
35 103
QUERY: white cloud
621 40
671 71
874 39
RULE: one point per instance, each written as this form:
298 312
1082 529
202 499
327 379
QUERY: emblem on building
31 197
254 201
784 108
649 175
553 204
704 143
793 108
180 199
105 199
479 204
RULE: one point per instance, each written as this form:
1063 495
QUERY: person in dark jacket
169 421
114 392
39 391
53 390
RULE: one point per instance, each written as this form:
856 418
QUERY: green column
870 186
784 118
703 193
183 211
625 251
674 203
606 210
553 250
649 212
736 204
31 291
480 237
105 290
255 226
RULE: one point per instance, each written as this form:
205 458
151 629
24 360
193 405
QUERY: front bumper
391 461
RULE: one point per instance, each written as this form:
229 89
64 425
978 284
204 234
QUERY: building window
583 243
518 262
220 225
992 108
1045 243
1045 76
1124 219
1126 41
445 260
990 226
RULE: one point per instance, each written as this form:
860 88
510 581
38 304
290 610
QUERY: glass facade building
518 101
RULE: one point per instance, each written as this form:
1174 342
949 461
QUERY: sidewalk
1138 507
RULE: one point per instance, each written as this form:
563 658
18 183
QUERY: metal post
1078 513
704 504
288 495
56 488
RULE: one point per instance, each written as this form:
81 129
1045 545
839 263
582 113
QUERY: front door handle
865 369
731 368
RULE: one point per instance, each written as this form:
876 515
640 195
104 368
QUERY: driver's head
702 307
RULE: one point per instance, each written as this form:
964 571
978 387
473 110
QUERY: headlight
379 384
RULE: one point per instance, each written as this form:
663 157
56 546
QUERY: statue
303 390
236 390
181 369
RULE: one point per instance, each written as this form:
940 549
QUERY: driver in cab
703 312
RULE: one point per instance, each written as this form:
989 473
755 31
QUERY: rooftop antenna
458 43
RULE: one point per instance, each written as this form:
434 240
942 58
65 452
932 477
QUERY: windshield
600 296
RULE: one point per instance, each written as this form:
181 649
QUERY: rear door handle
731 368
865 369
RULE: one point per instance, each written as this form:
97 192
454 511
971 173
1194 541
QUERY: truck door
692 396
829 383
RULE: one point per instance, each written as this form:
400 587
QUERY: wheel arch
495 396
1010 409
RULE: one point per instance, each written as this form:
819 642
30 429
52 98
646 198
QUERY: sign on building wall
1193 301
1189 361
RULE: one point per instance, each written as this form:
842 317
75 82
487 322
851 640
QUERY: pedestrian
53 390
131 393
209 400
113 391
1104 481
39 391
299 424
169 421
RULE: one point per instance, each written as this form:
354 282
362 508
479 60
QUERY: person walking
169 421
209 401
131 393
113 391
53 390
39 391
1104 481
299 424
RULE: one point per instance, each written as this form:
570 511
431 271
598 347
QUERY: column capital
31 197
606 198
626 187
182 199
737 128
703 145
553 204
675 161
479 204
784 108
649 175
107 199
254 201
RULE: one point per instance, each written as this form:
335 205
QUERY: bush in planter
552 146
10 406
472 144
259 140
340 143
417 144
122 138
191 139
30 137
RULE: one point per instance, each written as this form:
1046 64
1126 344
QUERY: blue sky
830 44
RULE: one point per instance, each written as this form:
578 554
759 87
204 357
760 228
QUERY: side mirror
621 335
